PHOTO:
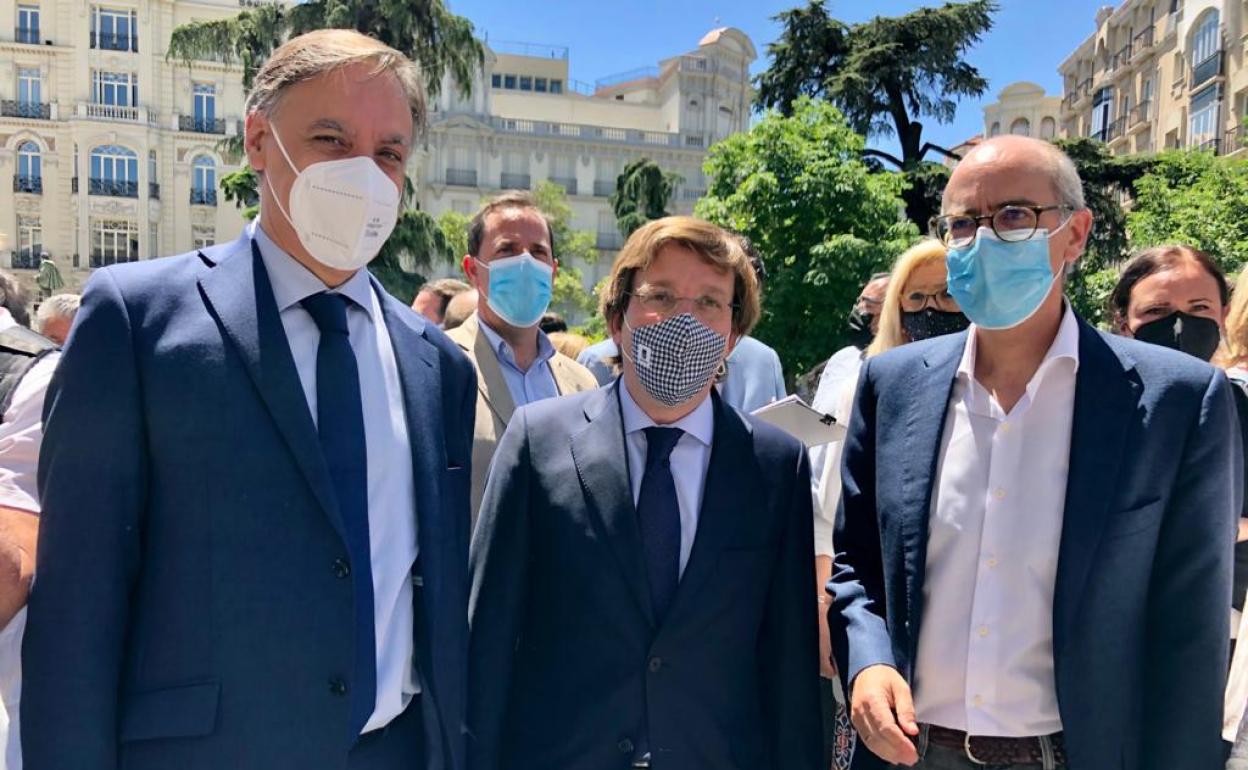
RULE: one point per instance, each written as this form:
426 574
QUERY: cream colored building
1160 74
108 152
1023 109
527 121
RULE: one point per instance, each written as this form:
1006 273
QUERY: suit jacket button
337 687
341 568
625 746
656 663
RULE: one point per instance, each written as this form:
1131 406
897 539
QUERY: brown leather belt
987 750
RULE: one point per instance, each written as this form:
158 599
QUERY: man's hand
883 713
19 531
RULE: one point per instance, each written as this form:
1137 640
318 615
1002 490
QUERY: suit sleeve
1190 594
499 566
789 643
92 483
856 618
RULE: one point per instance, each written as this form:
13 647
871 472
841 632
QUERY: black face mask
930 322
1179 331
860 334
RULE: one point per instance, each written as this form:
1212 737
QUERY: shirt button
625 746
983 631
992 562
341 568
337 687
655 664
1005 427
999 494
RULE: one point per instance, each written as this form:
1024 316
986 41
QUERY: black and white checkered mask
676 358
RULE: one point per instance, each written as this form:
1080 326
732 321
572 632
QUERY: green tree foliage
884 75
642 193
571 247
454 226
822 221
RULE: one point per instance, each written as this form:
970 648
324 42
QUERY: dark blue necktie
658 514
340 423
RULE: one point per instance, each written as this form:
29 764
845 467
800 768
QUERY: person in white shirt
1034 540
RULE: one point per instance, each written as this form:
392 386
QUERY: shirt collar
1065 346
700 423
545 348
292 282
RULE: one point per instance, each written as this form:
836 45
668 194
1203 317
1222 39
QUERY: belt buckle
966 748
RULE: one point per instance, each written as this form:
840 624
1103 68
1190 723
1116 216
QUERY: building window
203 236
1102 113
118 89
153 239
1048 128
1021 127
204 181
153 179
496 80
540 85
114 29
205 106
995 130
526 83
114 171
29 177
29 86
27 24
1204 121
113 241
29 242
556 86
509 81
1207 40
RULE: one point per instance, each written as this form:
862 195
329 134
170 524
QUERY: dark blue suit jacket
1140 613
566 655
190 610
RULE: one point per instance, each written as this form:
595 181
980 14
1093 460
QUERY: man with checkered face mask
644 550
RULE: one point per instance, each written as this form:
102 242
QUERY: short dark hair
445 289
513 199
14 298
1155 260
552 322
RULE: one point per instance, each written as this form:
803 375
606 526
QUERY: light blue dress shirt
689 460
391 487
525 385
594 358
754 378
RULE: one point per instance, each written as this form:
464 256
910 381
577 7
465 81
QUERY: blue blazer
1140 611
568 663
191 610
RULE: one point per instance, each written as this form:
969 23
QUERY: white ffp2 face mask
342 210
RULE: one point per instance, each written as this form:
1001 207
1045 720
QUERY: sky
1028 40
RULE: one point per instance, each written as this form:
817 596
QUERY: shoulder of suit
461 337
158 278
550 412
1157 366
573 376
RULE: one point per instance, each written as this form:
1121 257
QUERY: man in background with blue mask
1037 518
511 263
254 476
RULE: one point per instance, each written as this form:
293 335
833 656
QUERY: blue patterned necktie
340 424
658 514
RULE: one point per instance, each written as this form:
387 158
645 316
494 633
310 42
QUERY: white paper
793 415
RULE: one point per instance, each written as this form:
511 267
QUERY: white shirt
834 396
985 653
391 488
689 460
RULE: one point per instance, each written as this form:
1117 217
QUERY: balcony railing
610 241
587 132
568 183
153 190
31 110
1210 144
28 183
73 185
1206 70
113 187
201 197
642 73
1117 129
604 188
461 177
111 41
1234 139
509 181
1143 40
27 259
26 35
1142 113
1122 58
690 194
201 125
99 259
112 112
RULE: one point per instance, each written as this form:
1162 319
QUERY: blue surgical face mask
999 284
520 289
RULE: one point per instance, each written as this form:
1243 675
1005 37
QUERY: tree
642 192
821 219
570 246
454 226
883 74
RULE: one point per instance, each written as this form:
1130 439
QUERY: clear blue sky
1028 41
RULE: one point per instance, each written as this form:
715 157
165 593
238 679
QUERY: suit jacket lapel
238 293
600 454
490 375
1107 393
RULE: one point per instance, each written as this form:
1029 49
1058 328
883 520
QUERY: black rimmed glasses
1010 223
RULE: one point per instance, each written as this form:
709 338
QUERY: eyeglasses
663 302
914 301
1010 223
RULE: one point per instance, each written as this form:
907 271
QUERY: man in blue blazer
1037 519
642 560
255 473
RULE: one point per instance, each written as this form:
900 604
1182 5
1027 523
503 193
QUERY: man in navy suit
644 551
255 473
1037 519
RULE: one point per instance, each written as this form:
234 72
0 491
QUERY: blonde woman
1237 330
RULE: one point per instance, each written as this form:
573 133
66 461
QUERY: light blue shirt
525 385
391 487
689 460
754 378
594 358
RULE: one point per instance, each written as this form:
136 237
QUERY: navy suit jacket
566 655
191 609
1140 611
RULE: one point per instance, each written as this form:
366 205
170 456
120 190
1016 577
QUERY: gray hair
1061 169
57 306
329 50
14 299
